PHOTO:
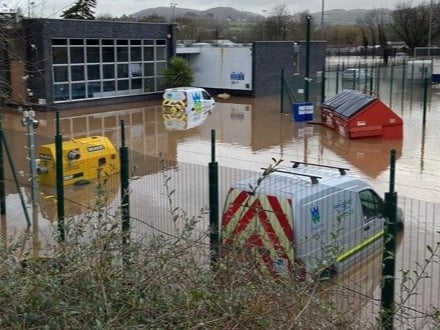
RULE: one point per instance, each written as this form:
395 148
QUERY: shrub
178 73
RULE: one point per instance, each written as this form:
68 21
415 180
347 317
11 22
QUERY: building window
93 54
77 55
96 68
93 72
59 55
77 72
60 73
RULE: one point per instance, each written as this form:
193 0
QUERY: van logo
316 217
197 99
343 206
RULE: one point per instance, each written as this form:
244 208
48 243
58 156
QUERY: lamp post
307 69
264 22
173 11
30 4
322 20
430 28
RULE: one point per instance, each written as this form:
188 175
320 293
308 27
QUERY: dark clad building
90 62
63 63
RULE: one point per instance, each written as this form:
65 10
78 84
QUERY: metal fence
417 268
168 198
397 82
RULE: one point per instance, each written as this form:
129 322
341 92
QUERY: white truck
304 218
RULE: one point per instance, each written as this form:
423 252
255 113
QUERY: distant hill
331 17
218 12
345 17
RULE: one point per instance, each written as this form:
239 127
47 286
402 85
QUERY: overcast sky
53 8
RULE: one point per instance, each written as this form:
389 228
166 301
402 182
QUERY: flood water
248 134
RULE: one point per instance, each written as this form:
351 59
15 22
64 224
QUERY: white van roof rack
342 170
314 178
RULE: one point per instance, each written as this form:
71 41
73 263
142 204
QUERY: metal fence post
425 98
389 260
378 79
391 84
60 178
125 197
323 79
2 173
337 79
282 92
16 181
213 205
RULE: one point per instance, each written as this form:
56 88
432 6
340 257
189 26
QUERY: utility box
354 114
303 111
83 159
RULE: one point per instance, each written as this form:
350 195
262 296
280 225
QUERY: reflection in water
180 120
369 155
79 199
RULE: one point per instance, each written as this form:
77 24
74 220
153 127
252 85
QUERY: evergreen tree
178 73
81 9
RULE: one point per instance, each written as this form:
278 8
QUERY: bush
94 281
166 285
178 73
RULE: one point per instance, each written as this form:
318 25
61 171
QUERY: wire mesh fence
418 279
397 82
171 199
174 196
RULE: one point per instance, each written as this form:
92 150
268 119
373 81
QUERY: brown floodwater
248 134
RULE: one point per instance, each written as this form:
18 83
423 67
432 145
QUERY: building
92 62
64 63
251 70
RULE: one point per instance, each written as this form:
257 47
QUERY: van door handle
367 227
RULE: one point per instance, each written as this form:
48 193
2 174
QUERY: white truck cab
304 218
187 100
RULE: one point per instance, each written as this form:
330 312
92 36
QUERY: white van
419 69
187 100
304 218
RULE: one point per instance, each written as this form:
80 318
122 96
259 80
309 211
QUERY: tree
278 23
178 73
411 24
81 9
375 27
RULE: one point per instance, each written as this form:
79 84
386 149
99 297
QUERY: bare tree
411 24
375 27
278 24
299 28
